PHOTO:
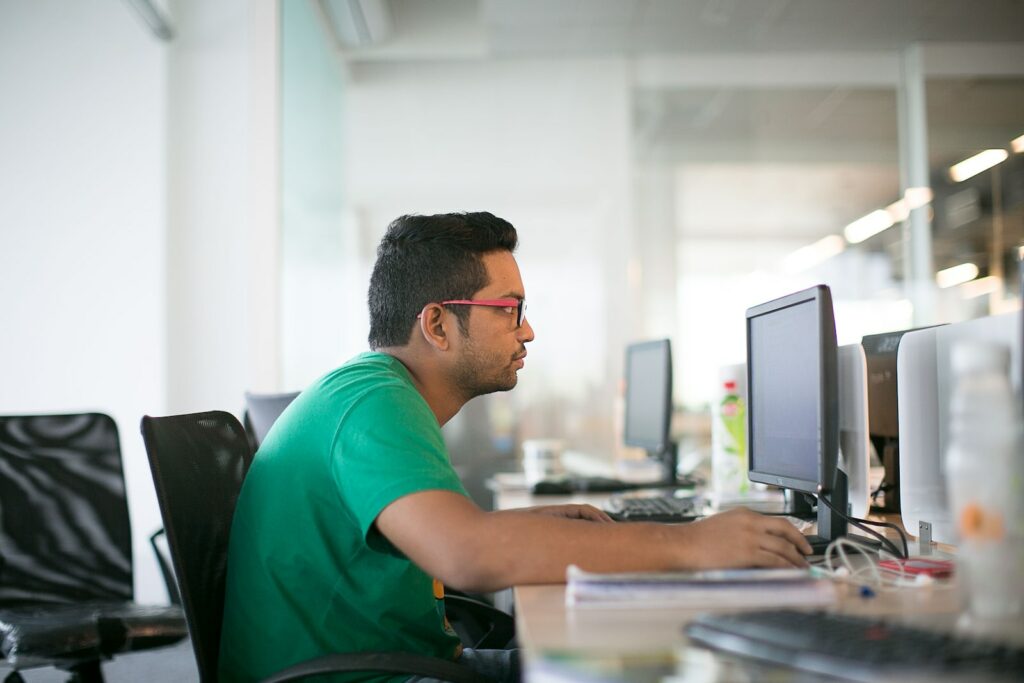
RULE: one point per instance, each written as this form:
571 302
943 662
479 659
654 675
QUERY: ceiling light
813 254
916 197
898 211
968 168
957 275
1018 144
981 287
872 224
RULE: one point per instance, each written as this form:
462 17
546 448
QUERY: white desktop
925 386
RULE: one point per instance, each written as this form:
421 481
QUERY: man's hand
741 538
572 511
451 538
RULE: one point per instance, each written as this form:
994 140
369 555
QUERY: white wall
544 144
138 218
82 176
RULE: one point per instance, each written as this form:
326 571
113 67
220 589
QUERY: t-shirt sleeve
389 446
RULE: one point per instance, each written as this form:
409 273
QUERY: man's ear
434 323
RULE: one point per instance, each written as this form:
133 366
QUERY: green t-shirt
308 573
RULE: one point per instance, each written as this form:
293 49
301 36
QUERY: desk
643 645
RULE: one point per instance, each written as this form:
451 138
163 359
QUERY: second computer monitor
649 402
793 400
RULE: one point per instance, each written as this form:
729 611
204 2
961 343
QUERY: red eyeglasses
510 305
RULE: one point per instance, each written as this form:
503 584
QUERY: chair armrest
165 568
498 627
384 662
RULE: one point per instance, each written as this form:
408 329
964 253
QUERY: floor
174 664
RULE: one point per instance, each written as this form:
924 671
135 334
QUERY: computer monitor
793 403
854 440
649 402
883 413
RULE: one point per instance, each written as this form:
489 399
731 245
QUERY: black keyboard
569 485
855 647
655 509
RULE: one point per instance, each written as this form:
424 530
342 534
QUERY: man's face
493 350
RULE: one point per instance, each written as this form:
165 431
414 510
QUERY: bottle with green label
729 447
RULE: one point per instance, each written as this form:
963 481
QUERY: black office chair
198 463
261 412
66 594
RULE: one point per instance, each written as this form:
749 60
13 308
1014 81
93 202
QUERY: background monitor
883 413
883 416
854 450
649 402
793 402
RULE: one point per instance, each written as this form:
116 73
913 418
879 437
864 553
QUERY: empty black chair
66 593
198 463
261 412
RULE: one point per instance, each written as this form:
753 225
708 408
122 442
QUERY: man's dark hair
428 259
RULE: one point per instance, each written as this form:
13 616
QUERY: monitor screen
649 395
792 393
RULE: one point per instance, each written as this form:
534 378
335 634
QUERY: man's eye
508 309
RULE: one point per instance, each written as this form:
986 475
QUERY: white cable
840 567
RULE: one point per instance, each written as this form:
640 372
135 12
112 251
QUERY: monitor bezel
828 406
665 439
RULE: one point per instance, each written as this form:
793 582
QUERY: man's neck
429 380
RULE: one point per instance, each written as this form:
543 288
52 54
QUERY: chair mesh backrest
262 411
65 534
198 463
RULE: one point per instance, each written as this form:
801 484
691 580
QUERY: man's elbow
466 569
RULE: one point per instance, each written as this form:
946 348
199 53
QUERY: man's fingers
781 527
784 549
594 514
764 558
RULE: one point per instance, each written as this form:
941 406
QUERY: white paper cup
542 459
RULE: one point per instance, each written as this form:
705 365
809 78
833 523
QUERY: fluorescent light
1018 144
898 211
916 197
981 287
957 275
813 254
982 161
872 224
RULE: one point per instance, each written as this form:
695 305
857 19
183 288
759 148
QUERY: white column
918 268
223 204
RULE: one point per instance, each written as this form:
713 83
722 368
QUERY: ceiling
754 157
653 26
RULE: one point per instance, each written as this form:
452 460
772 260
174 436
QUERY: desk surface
649 644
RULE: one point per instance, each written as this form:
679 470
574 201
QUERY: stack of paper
720 588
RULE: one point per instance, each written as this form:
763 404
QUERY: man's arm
452 539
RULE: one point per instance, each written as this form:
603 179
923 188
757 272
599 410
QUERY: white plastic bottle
984 471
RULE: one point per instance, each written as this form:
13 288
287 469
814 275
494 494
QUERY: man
351 517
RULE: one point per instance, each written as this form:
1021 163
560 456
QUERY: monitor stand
830 524
669 462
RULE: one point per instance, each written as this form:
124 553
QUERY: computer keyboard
855 647
654 509
569 485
